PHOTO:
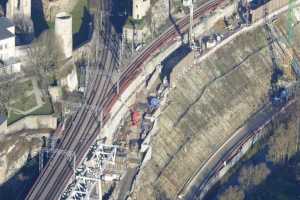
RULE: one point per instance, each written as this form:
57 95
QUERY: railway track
56 174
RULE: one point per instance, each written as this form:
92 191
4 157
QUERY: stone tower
18 7
63 29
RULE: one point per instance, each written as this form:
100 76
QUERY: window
1 47
137 16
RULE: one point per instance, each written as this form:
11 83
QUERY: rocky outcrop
15 152
209 103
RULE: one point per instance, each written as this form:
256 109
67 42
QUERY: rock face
208 104
14 152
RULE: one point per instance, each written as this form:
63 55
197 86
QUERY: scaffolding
91 173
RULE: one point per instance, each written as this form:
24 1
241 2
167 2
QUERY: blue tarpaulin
154 102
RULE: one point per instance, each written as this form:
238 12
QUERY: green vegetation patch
46 109
77 14
13 117
25 103
138 23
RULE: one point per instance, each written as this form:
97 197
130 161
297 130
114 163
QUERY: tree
251 176
283 144
4 98
23 24
232 193
9 90
245 177
44 57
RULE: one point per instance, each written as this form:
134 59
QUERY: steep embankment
15 151
210 102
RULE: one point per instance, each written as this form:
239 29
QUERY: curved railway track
56 174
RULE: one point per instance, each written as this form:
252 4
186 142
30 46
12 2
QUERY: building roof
5 23
2 119
4 34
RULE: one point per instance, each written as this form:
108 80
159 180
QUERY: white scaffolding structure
91 173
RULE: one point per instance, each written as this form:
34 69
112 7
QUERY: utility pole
191 34
189 4
87 76
121 49
271 39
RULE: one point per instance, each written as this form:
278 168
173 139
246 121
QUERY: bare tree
245 177
4 98
261 172
283 144
44 57
9 90
251 176
23 24
232 193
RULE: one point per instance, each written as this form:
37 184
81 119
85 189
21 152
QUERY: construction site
211 98
188 113
185 122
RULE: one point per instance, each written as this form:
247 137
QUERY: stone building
8 60
18 7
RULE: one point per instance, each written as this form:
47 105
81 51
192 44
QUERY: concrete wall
71 80
120 108
3 127
140 8
31 122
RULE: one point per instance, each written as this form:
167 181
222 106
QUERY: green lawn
13 117
77 14
46 109
25 103
26 85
